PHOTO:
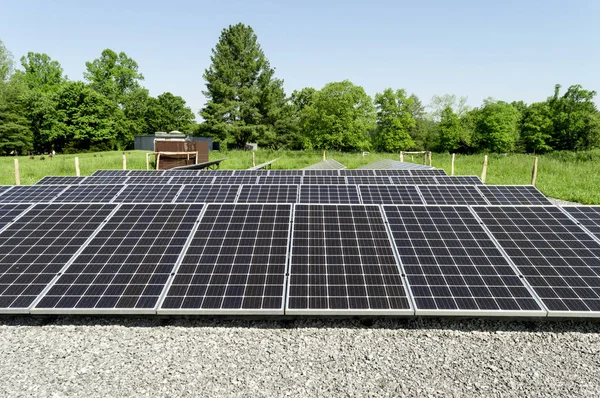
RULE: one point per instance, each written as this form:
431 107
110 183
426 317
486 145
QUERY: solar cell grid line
35 247
430 172
110 173
235 180
105 180
235 264
247 173
146 173
357 172
410 180
60 180
451 195
513 195
389 173
181 173
368 180
452 265
9 213
32 193
89 193
222 173
268 194
389 194
323 180
207 194
458 180
203 180
334 194
322 172
148 194
342 263
5 188
280 180
286 172
147 180
125 267
559 260
586 216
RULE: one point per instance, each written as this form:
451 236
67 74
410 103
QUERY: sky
507 50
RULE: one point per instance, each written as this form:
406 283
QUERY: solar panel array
393 241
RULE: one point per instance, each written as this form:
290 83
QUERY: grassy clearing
564 175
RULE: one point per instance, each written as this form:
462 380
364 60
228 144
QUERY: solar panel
236 262
280 180
310 172
451 195
110 173
324 180
148 194
430 172
222 173
286 172
329 194
146 173
343 263
247 173
147 180
184 173
126 266
32 193
556 257
409 180
394 165
513 195
458 180
60 180
588 217
4 188
328 164
105 180
453 267
381 180
207 194
89 193
235 180
8 213
357 173
401 173
35 248
268 194
203 180
389 194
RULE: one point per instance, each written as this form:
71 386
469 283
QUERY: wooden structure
169 153
424 153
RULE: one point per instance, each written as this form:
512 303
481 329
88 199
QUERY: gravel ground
385 357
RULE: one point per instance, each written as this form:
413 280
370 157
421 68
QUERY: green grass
564 175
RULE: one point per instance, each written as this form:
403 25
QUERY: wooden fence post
157 160
430 158
17 176
124 162
324 155
253 160
402 156
534 172
484 172
77 171
424 158
197 157
452 172
147 160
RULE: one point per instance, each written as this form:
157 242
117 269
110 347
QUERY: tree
169 112
439 103
394 121
41 72
243 94
15 135
537 127
497 127
6 63
450 137
340 117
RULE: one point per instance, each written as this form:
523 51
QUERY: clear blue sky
508 50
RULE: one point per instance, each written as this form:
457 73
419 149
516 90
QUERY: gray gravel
427 357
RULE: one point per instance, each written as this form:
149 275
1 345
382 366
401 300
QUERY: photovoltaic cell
382 180
280 180
34 248
203 180
451 195
409 180
588 216
557 258
430 172
235 180
389 194
4 188
146 173
60 180
513 195
148 194
251 173
147 180
236 262
343 262
184 173
357 173
207 194
89 193
9 212
317 172
110 173
453 266
268 194
387 172
329 164
334 194
32 193
458 180
126 266
105 180
286 172
324 180
222 173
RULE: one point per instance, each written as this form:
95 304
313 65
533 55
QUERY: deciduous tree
394 121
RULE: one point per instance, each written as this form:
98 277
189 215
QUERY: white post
484 172
253 160
147 160
17 176
124 162
324 155
402 156
453 156
77 172
534 172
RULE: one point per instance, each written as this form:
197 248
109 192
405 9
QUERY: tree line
41 109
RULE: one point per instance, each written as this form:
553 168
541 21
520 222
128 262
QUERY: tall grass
573 176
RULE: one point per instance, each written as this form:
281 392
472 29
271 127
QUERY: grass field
564 175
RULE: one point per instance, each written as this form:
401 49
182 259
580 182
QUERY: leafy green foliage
6 63
41 72
497 127
168 112
340 116
15 135
537 127
450 136
394 121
